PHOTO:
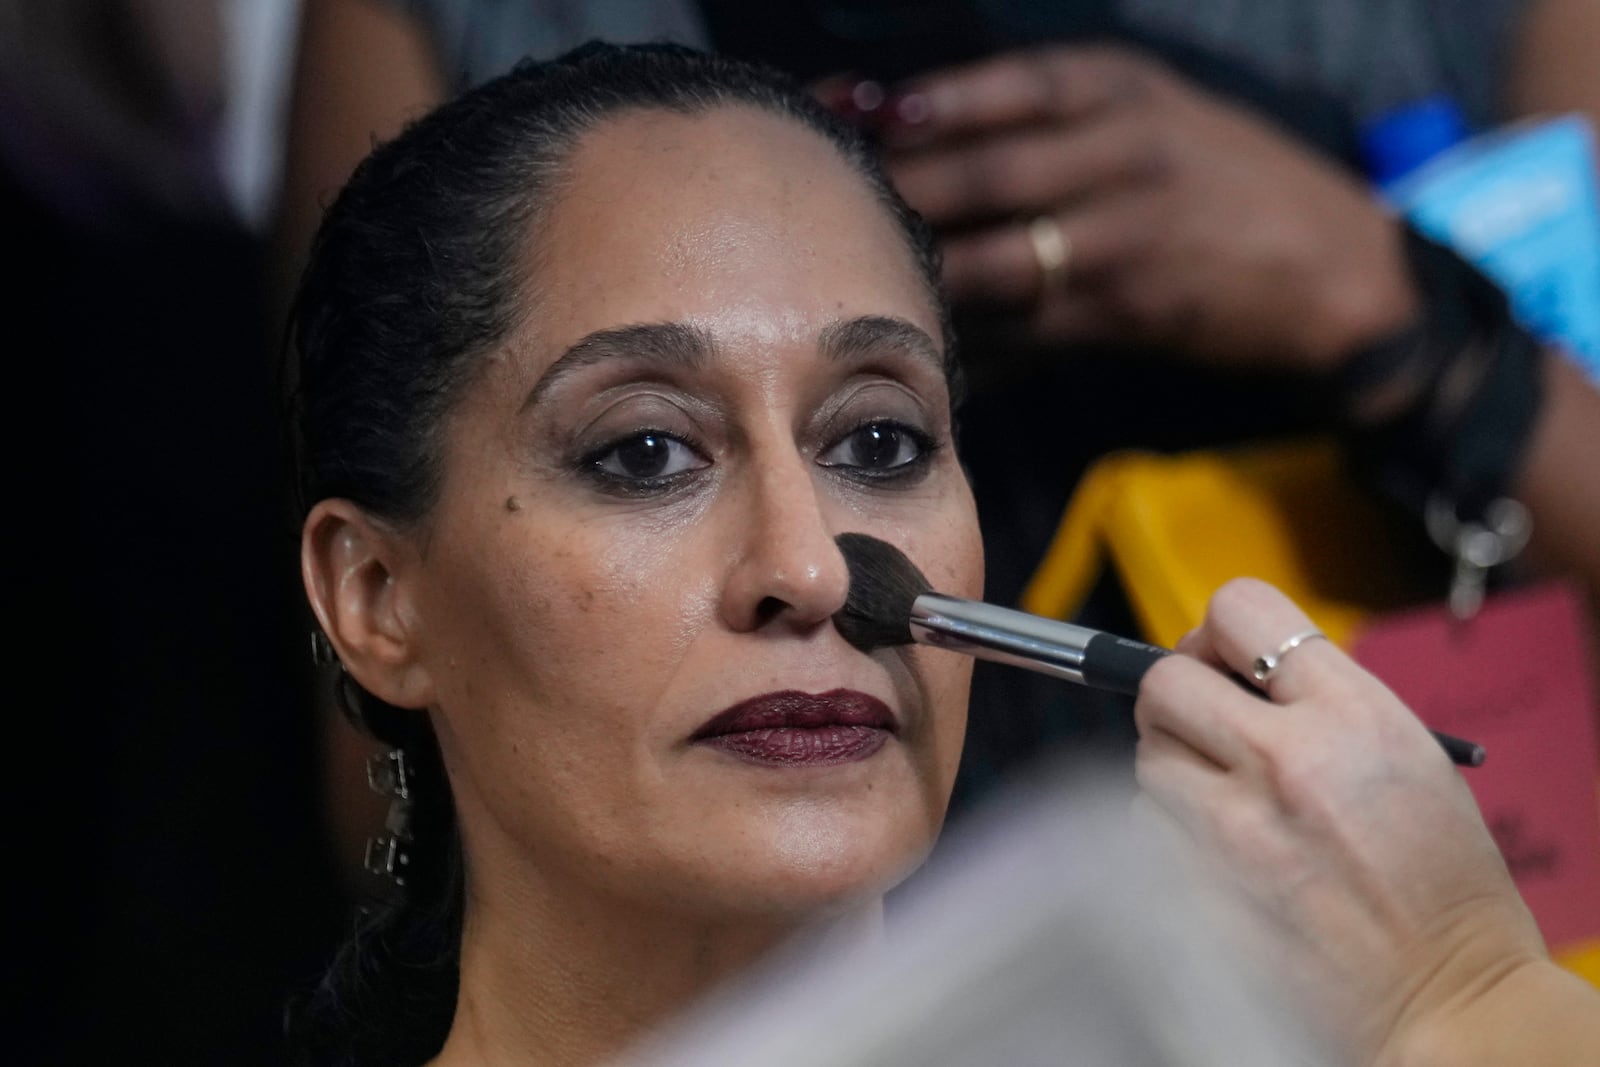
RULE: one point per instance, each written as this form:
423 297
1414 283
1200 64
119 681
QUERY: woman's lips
793 728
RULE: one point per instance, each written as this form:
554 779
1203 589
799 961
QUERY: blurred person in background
170 850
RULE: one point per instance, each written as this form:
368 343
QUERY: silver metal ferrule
1003 635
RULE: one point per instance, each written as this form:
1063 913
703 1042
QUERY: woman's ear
354 568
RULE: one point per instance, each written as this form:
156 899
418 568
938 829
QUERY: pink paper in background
1516 679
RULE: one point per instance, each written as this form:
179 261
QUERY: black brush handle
1119 664
1462 753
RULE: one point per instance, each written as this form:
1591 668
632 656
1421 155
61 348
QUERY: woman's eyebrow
863 336
682 345
671 343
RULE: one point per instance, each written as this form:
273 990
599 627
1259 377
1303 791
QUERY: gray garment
1058 930
1372 54
477 39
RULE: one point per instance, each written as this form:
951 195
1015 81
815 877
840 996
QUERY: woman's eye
879 449
646 458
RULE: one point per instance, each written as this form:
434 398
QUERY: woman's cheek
952 558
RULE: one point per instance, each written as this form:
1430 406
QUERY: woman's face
623 596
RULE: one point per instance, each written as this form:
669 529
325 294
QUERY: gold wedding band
1051 247
1263 667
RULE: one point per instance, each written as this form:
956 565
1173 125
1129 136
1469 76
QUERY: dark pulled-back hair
418 271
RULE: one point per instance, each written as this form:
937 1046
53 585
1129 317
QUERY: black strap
1472 379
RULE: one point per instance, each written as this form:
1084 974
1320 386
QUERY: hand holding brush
891 603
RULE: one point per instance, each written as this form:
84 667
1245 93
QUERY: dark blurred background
167 845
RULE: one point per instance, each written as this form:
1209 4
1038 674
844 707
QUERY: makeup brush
891 603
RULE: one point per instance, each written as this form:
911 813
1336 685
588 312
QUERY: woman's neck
580 983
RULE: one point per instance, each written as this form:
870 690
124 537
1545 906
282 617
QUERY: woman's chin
825 829
807 862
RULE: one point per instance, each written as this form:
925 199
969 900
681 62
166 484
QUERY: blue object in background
1521 202
1402 140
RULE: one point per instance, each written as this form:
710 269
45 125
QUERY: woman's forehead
732 219
669 183
725 147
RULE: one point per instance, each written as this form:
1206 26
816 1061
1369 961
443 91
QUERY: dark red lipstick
801 729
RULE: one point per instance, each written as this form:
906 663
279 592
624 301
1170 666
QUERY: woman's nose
787 568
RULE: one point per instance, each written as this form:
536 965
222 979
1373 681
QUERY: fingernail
910 109
868 96
856 102
833 94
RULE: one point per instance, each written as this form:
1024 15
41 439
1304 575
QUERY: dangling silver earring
388 854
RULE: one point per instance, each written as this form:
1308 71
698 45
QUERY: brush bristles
883 586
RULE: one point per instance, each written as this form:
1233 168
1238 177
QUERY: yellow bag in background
1176 527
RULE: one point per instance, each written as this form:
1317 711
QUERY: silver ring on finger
1264 666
